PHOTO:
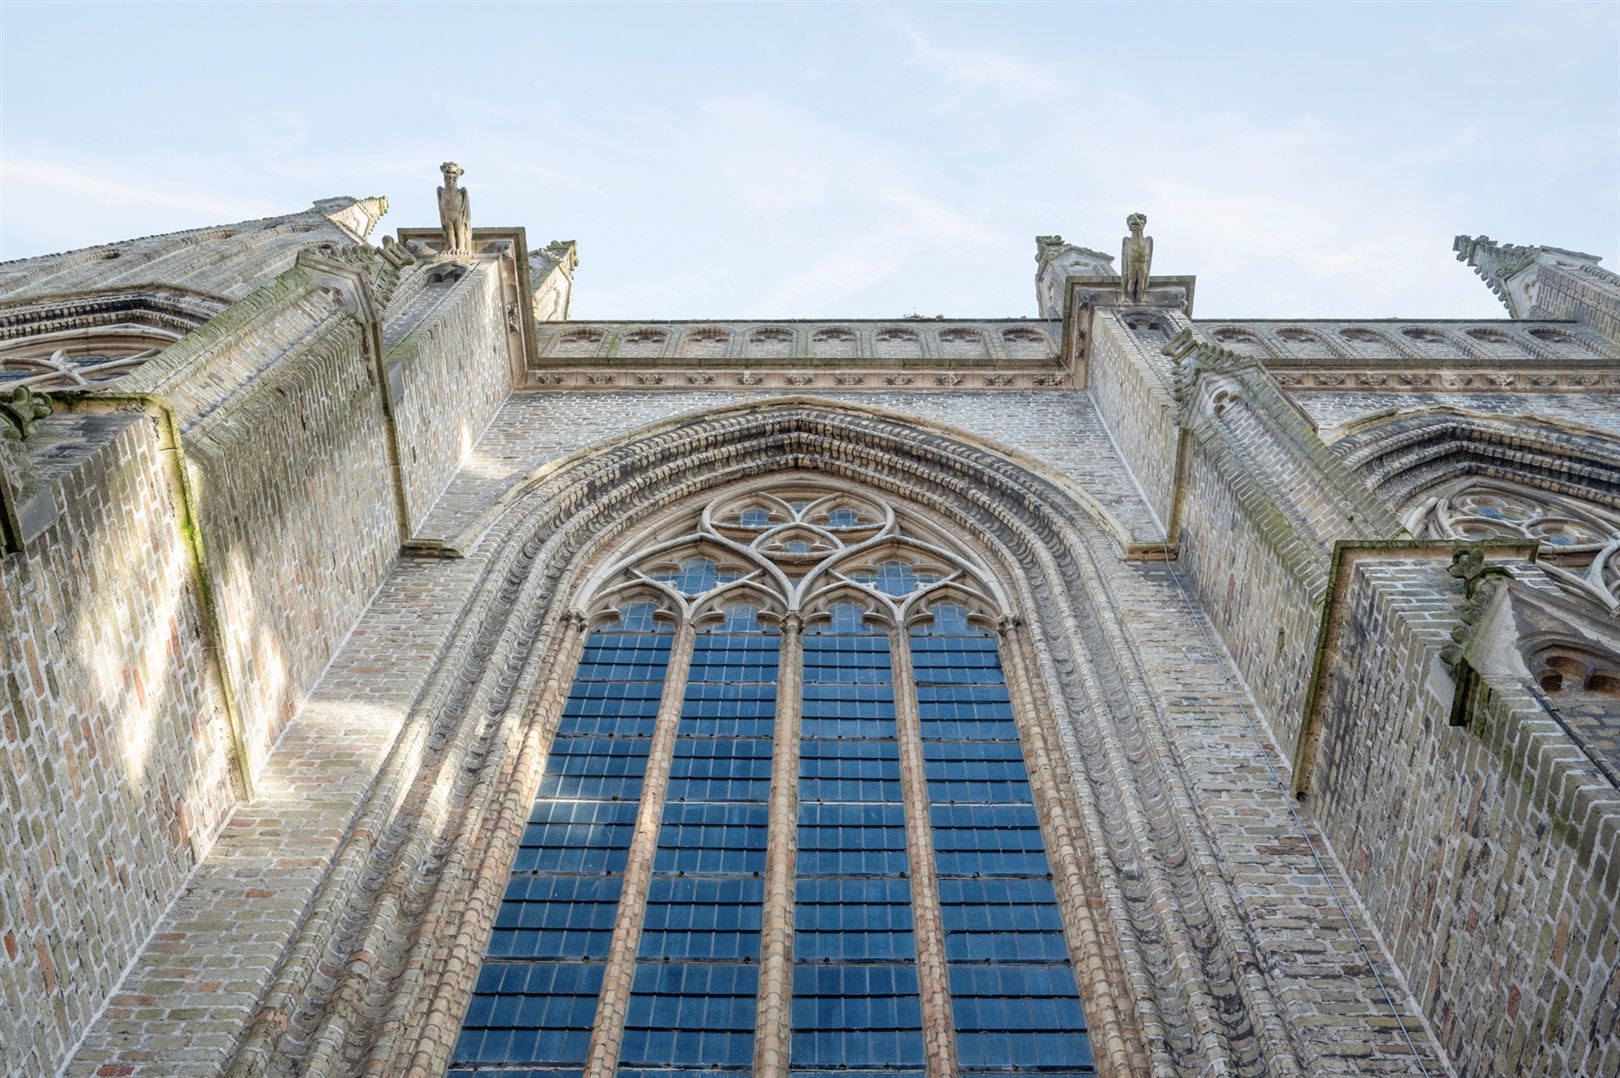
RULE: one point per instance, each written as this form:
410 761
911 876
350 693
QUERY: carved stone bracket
1480 583
21 411
1192 356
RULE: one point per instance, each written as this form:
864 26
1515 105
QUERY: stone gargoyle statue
454 217
1136 259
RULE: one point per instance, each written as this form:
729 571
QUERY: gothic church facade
401 678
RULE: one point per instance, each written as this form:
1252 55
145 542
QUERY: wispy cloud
94 188
857 213
977 68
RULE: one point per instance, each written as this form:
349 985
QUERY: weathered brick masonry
291 607
117 772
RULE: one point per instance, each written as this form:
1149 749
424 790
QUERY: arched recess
1401 455
1172 977
86 338
1450 474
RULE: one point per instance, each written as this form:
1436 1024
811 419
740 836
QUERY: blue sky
847 160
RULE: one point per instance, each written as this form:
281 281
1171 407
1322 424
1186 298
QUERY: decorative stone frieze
878 379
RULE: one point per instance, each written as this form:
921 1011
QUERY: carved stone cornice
792 354
1431 344
1490 379
903 342
874 379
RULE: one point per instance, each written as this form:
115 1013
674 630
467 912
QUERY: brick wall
1059 430
117 748
1258 579
1486 855
1130 386
450 349
298 516
1588 294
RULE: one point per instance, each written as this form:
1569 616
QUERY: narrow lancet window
1013 992
535 998
697 974
855 990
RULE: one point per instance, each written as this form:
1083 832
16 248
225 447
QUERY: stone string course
288 626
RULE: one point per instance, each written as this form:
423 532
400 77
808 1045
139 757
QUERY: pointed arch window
786 826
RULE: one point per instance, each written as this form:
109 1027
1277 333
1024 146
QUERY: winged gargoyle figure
1136 256
453 212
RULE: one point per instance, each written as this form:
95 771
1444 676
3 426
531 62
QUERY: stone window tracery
1580 542
835 863
93 338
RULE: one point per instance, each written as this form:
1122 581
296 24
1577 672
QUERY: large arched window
786 825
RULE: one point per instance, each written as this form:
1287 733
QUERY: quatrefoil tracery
798 547
1580 542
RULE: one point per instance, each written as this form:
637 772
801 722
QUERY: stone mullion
602 1059
774 1024
933 978
1094 957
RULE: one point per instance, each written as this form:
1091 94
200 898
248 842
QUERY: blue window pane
1023 1017
856 1016
530 1012
690 1014
555 917
1014 999
562 898
853 920
703 918
713 838
896 577
694 576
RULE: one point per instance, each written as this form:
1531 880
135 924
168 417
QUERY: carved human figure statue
453 213
1136 258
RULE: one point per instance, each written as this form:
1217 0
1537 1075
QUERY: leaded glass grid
855 990
1013 992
